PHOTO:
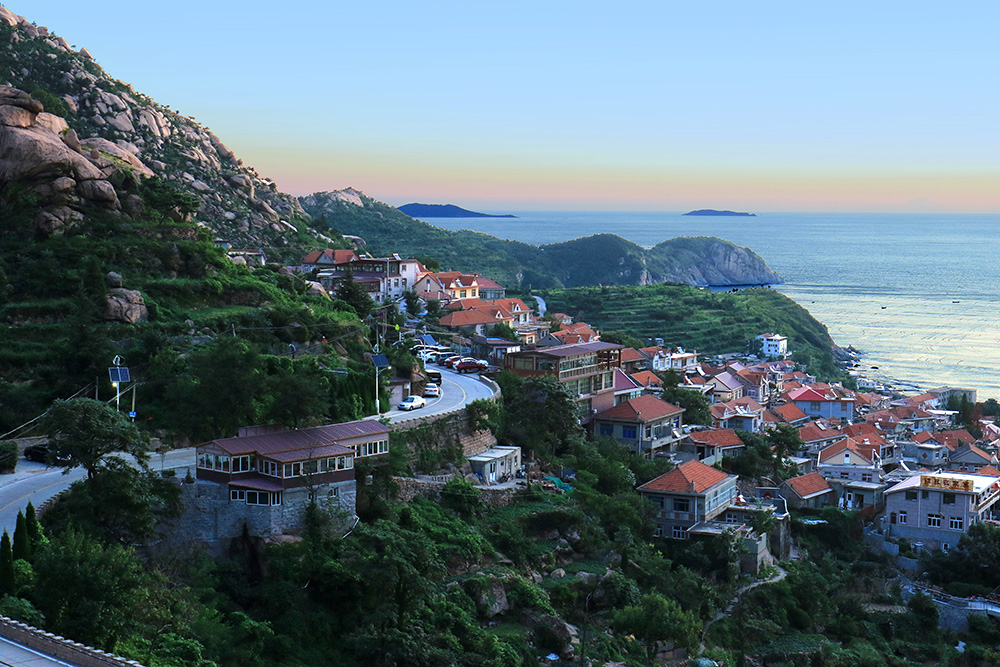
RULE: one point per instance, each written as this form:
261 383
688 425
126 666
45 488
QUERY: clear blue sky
758 106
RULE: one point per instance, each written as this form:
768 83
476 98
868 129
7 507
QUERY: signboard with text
947 483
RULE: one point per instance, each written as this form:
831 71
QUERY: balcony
582 371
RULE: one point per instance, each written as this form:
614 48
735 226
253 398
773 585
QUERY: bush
8 456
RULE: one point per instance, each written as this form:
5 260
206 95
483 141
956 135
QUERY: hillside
712 323
602 259
93 112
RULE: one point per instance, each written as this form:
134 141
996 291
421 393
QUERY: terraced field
694 318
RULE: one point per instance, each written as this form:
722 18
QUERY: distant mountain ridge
445 211
602 259
713 212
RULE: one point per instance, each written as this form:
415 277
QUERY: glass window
679 533
902 517
607 429
934 520
628 432
948 498
955 523
682 505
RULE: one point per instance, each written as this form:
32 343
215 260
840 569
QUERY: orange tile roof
988 470
630 354
864 452
642 409
689 477
808 485
717 437
647 379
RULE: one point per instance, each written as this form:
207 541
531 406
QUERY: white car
432 391
412 403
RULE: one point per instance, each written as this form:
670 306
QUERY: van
433 376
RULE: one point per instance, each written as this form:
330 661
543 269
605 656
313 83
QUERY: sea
917 294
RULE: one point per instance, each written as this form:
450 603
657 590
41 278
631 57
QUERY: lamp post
381 363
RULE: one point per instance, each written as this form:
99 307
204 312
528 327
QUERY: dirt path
732 603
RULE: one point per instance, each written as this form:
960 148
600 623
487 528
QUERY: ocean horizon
916 293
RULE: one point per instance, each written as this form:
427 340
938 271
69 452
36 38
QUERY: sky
773 106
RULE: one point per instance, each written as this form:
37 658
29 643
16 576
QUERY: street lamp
381 363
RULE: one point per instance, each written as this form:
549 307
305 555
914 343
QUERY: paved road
457 389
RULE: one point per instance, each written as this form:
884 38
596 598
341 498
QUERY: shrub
8 456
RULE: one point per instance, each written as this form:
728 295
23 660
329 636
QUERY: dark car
40 454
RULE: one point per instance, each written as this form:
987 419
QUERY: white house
774 345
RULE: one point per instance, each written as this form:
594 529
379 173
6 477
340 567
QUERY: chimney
691 486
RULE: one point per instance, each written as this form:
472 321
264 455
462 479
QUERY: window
628 432
814 405
241 463
924 495
237 494
901 518
659 531
844 475
310 467
911 495
934 520
948 498
269 468
293 469
607 429
463 294
682 505
679 533
956 522
866 477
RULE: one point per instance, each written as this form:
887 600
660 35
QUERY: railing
591 369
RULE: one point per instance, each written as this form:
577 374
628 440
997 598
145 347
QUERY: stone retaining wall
493 496
59 647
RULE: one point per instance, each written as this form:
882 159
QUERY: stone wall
210 517
493 496
453 427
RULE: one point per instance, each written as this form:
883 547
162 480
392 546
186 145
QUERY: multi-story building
690 493
383 278
773 345
645 424
586 370
938 508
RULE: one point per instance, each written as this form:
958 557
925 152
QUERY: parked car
432 391
450 362
470 365
412 403
40 454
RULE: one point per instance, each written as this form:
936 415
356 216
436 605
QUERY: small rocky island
713 212
445 211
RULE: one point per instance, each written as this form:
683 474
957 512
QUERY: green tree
87 433
355 296
540 415
502 330
87 591
216 394
412 301
297 395
657 618
6 565
33 526
21 548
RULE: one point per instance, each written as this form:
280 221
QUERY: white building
774 345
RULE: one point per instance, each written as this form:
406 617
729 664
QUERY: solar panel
380 361
119 374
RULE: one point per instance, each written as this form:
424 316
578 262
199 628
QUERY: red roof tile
689 477
647 379
717 437
808 485
642 409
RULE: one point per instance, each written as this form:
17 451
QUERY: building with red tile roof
787 413
712 445
690 493
646 424
648 379
810 490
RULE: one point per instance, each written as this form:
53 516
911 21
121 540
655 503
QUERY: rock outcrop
96 125
125 305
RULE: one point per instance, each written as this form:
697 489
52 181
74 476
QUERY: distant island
445 211
712 211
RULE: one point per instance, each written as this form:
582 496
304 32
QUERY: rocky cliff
66 128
